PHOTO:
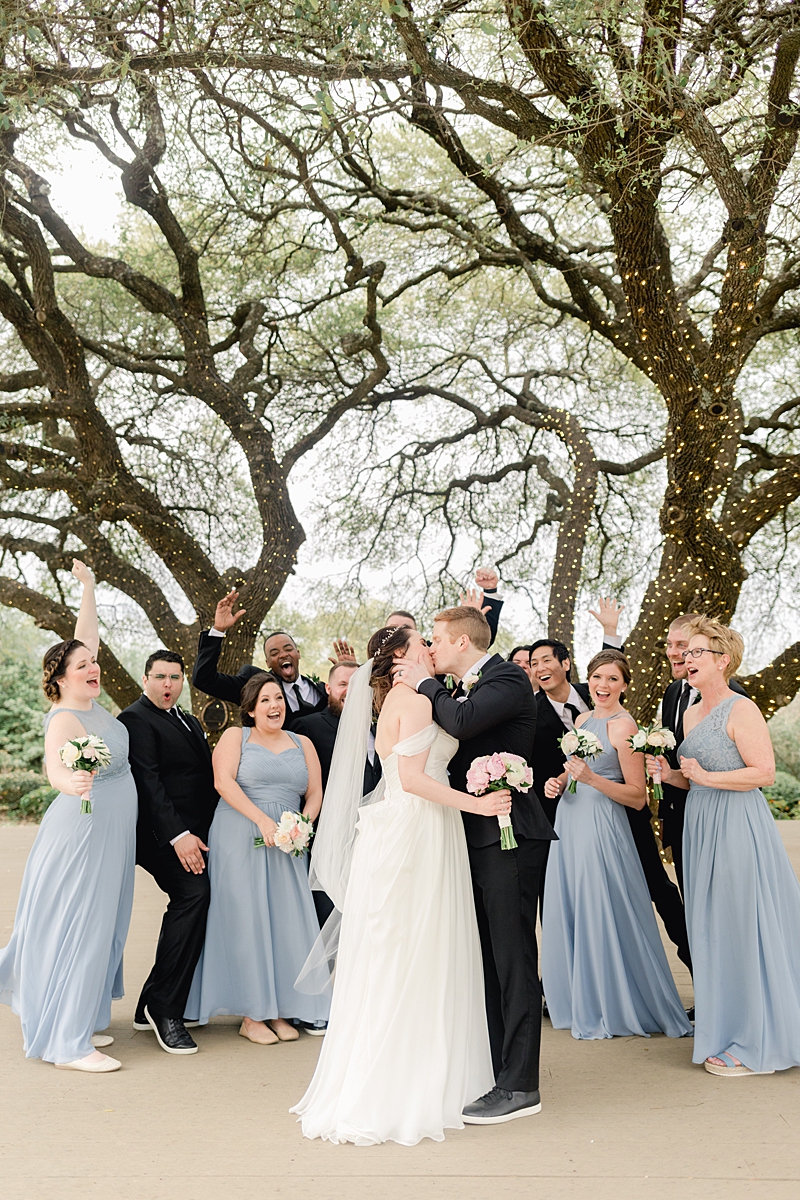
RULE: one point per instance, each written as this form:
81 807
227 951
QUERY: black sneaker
690 1014
498 1106
316 1029
171 1034
141 1023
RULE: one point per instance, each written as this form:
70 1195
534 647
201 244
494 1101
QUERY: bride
407 1045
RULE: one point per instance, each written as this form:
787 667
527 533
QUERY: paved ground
630 1119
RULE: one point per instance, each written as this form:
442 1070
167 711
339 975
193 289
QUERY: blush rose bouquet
293 835
494 773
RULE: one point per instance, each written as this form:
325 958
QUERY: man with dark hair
171 764
302 694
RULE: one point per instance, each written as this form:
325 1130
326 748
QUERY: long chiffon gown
262 922
604 970
407 1044
63 965
742 914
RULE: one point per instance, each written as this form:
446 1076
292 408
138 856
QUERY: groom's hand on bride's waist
410 673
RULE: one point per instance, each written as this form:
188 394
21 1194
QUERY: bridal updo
54 666
382 648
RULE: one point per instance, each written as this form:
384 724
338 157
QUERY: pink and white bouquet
85 754
653 739
580 743
493 773
293 835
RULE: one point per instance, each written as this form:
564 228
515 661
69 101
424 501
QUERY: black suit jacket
493 615
498 714
174 778
548 760
321 729
675 796
213 682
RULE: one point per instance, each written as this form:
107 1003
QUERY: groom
494 709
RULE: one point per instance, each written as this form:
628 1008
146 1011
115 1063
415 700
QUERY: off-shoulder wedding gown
407 1045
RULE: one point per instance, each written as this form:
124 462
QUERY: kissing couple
436 1013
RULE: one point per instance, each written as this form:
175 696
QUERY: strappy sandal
734 1069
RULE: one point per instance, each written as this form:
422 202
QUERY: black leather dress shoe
498 1106
171 1034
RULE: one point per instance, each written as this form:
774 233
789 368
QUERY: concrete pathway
631 1119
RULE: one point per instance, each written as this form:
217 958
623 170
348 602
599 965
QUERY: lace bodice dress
742 913
407 1045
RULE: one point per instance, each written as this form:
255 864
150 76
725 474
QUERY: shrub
25 795
783 796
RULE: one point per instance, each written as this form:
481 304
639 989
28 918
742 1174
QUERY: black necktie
574 711
683 704
175 710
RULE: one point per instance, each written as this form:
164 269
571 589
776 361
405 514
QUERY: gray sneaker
498 1106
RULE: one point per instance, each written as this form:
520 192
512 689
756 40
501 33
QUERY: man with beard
302 694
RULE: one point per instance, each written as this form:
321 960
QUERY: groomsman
171 764
302 694
559 702
321 729
678 697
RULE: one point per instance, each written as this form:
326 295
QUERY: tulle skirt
407 1045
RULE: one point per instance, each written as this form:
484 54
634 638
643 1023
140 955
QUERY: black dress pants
663 891
506 888
674 812
183 932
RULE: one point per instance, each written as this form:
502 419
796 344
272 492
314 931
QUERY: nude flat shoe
284 1037
267 1038
101 1040
95 1068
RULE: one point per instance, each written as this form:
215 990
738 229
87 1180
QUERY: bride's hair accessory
382 648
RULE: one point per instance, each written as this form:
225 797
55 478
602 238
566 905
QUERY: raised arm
205 676
86 627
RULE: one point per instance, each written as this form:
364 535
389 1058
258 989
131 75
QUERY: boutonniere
469 681
450 683
313 678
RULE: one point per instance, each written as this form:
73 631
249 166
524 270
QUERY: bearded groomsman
171 764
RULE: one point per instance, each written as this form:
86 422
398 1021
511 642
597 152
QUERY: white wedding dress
407 1045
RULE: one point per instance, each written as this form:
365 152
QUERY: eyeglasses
161 678
698 650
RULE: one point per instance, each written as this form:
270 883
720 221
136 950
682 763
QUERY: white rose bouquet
580 743
293 835
653 739
85 754
495 773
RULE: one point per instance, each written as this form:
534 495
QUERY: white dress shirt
564 716
473 670
308 692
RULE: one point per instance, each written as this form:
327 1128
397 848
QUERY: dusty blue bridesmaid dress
262 922
604 970
63 964
742 914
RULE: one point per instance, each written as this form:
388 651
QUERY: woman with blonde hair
742 896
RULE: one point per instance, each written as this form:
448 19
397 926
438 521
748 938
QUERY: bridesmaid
262 922
604 970
63 964
742 896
